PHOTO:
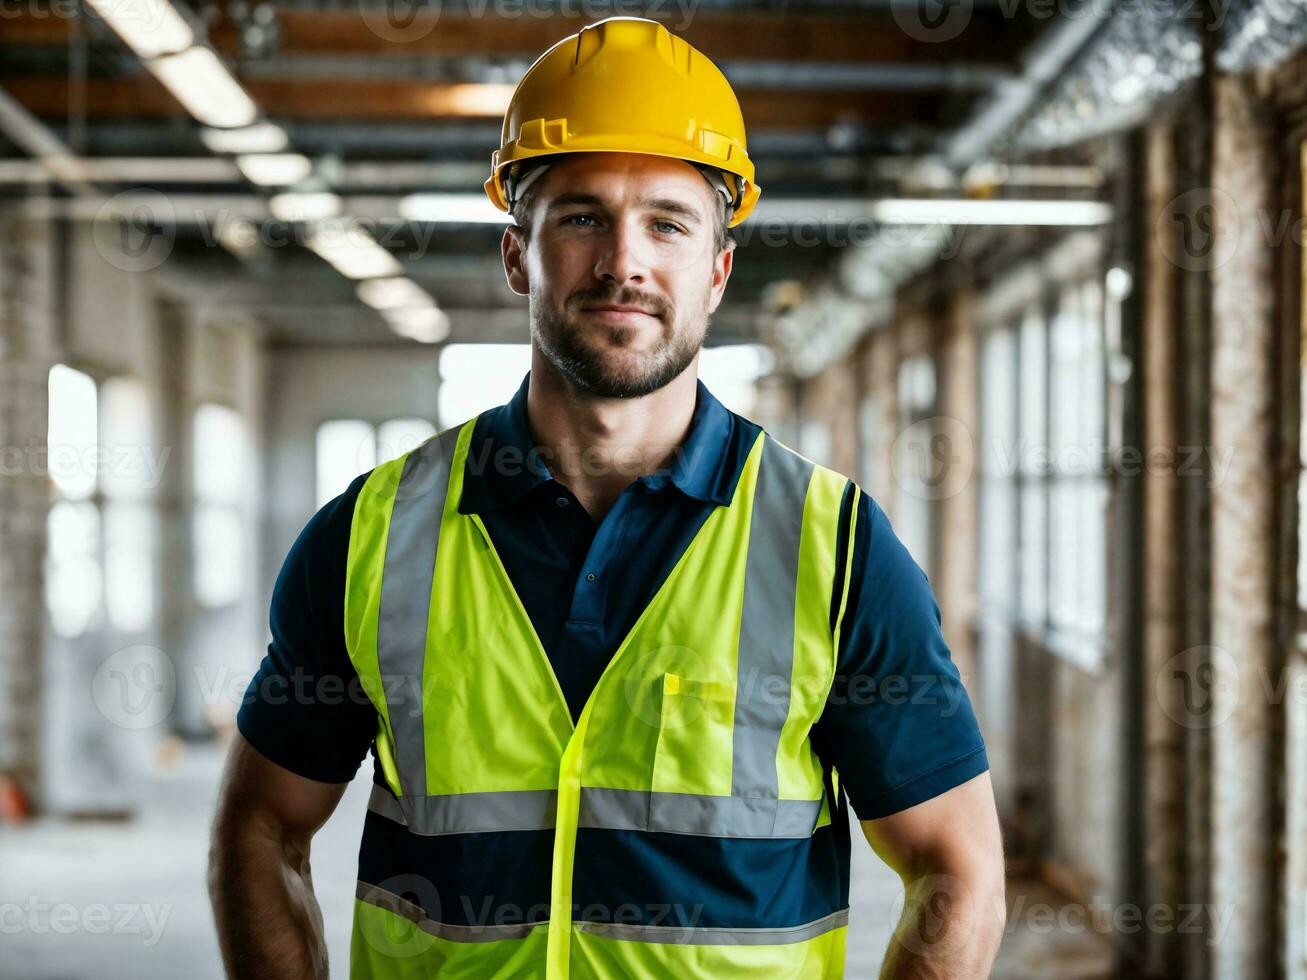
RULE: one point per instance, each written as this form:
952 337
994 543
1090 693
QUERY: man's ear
513 248
723 263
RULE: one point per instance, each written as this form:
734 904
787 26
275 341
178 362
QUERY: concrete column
881 387
839 386
28 308
1292 515
1164 737
1193 541
959 407
1243 851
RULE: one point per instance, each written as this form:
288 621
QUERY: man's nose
620 260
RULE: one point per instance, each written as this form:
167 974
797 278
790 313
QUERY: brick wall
27 329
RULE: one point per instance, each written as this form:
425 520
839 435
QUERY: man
619 655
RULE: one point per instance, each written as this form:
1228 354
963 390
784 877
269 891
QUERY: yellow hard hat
626 85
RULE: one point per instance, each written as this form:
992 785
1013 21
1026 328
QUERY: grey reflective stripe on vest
468 813
686 813
683 935
766 656
402 907
609 809
406 599
695 936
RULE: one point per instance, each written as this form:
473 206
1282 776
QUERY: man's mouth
619 314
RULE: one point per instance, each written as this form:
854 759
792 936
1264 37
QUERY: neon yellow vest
698 725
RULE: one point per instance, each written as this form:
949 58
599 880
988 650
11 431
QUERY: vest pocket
693 752
386 756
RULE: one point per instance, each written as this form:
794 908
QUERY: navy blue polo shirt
898 725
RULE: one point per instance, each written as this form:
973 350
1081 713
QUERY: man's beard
605 366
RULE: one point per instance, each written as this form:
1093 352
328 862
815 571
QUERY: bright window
1044 469
475 377
73 432
129 564
731 373
347 448
1031 467
1078 496
998 445
815 440
73 582
133 469
218 528
73 576
916 466
101 540
399 436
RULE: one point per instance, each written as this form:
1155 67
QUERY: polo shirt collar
503 465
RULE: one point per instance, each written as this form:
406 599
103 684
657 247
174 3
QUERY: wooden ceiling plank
988 38
391 100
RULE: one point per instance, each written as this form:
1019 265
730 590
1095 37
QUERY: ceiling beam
141 96
989 38
868 36
49 152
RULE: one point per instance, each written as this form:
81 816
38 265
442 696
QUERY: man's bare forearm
268 920
950 929
269 923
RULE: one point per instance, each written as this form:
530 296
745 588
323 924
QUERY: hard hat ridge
626 85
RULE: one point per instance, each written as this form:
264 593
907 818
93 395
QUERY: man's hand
949 853
269 923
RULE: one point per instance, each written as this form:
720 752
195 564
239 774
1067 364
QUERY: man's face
621 270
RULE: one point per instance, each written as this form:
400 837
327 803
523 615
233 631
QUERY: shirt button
591 577
561 501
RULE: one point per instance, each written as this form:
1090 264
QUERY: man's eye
578 217
669 227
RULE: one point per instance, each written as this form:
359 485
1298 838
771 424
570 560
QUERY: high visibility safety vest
698 725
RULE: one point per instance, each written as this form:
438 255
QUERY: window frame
1036 289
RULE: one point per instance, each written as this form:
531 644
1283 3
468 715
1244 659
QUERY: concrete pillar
881 410
1193 340
28 310
1164 736
1243 852
959 409
1294 387
839 386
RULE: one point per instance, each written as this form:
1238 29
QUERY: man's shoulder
327 532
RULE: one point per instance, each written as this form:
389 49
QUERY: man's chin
617 377
609 362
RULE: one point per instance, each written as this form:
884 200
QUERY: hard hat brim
495 190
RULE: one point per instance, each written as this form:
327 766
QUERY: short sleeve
898 725
305 708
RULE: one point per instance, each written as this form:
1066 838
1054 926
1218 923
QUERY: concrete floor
104 901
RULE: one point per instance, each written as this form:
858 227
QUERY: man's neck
597 447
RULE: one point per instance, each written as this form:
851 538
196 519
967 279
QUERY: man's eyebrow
669 206
575 197
666 205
